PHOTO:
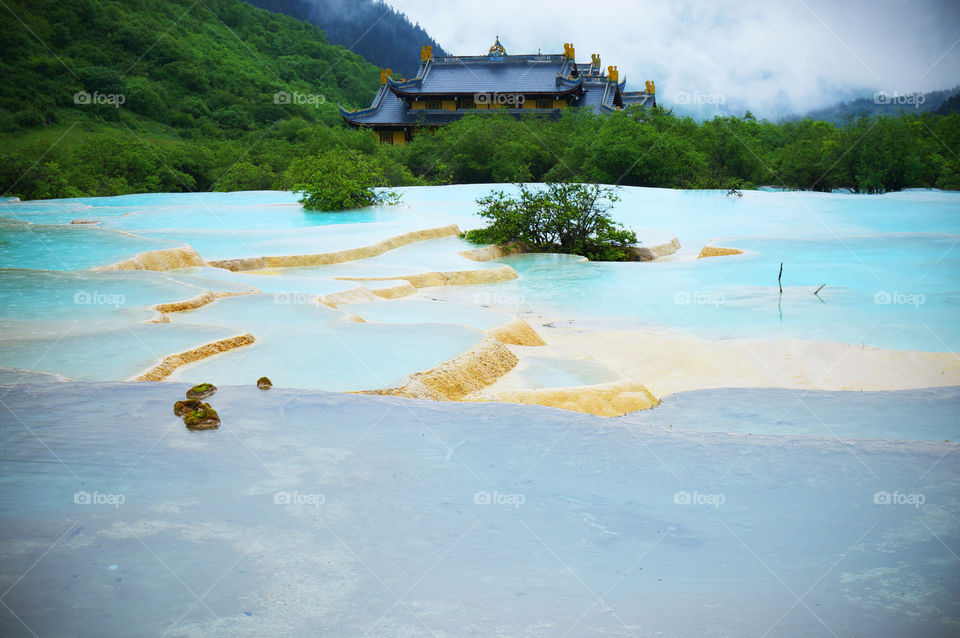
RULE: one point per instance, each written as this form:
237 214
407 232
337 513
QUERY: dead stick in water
819 289
779 277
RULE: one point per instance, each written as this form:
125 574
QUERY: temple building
446 89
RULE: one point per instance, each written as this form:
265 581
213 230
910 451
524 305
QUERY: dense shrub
564 218
338 180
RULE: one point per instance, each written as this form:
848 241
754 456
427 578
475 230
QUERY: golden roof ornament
497 50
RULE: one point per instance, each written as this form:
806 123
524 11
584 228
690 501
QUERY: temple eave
450 94
446 89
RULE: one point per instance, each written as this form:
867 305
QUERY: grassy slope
207 73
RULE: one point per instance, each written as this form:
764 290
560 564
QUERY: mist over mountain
369 28
883 103
775 58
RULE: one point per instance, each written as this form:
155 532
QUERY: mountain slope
882 103
368 27
118 96
950 105
217 65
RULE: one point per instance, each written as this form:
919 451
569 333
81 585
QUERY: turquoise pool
889 262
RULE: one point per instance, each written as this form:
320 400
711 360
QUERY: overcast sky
773 56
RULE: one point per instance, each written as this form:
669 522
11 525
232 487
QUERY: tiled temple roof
552 75
485 74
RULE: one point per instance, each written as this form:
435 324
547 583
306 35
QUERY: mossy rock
180 408
202 418
201 391
264 383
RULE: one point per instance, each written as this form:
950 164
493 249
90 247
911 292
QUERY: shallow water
888 262
312 513
919 415
542 372
891 292
309 345
107 355
70 247
722 512
422 310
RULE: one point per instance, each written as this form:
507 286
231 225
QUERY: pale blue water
898 248
542 372
432 255
42 303
108 355
319 514
308 345
889 262
899 292
588 531
424 311
919 415
69 247
221 279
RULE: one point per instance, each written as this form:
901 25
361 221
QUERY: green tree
561 217
245 176
338 180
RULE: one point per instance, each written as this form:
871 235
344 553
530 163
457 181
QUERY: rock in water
180 408
201 391
202 418
264 383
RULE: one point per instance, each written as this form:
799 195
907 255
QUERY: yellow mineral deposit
171 362
164 259
717 251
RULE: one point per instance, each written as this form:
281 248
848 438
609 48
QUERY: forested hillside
890 104
104 97
368 27
157 94
654 147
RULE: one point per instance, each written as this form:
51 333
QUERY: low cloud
774 57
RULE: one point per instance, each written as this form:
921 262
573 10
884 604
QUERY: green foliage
372 29
203 97
148 95
490 147
338 180
245 176
653 147
231 58
561 217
